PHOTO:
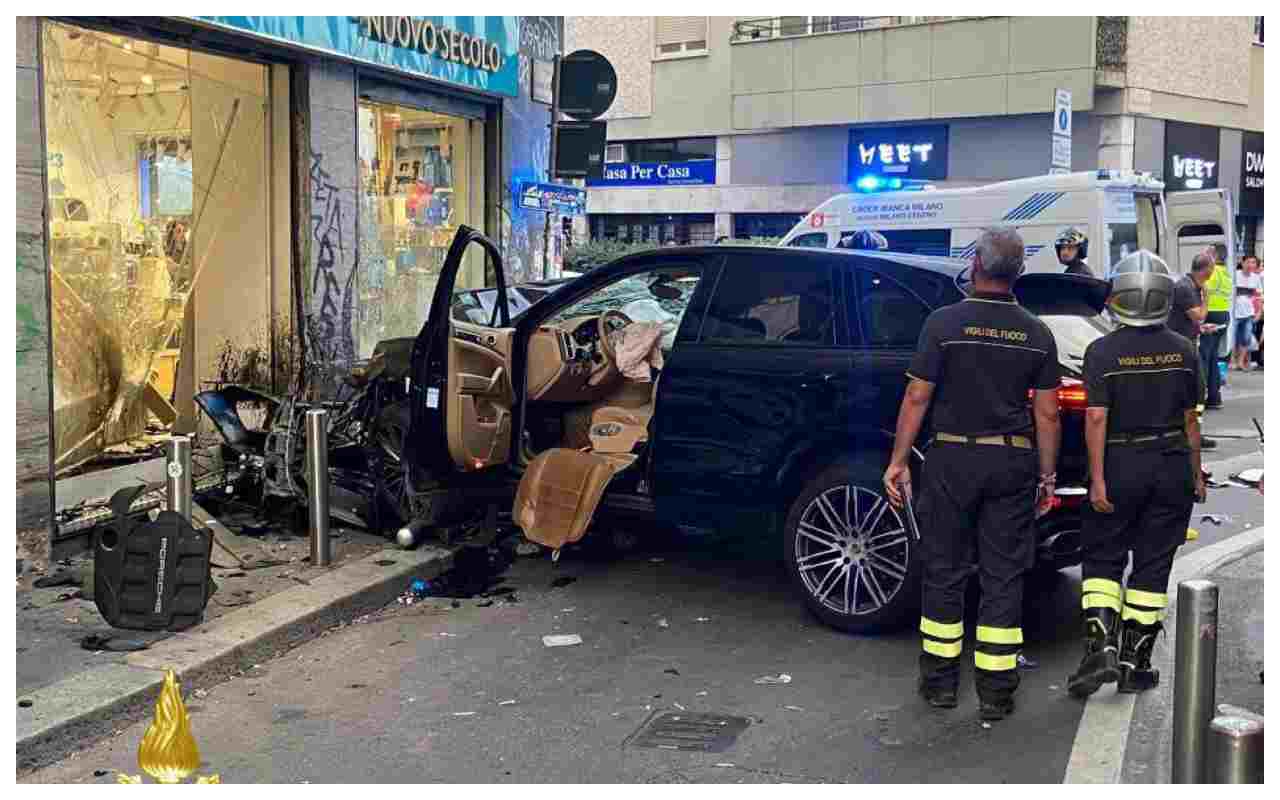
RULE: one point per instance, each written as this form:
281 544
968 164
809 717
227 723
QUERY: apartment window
659 229
670 150
768 226
676 35
1257 29
615 153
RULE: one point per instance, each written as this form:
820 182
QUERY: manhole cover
682 730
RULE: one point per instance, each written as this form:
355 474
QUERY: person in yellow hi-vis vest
1219 296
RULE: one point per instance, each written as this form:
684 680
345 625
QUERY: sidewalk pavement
1239 664
70 696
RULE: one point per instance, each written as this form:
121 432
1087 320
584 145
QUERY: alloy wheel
852 550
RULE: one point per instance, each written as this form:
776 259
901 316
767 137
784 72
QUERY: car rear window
1074 333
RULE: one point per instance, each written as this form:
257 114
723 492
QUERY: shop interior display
146 147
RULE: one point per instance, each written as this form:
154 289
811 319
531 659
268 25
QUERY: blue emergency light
875 183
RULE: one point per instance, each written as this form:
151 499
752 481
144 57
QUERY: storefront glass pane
158 197
418 183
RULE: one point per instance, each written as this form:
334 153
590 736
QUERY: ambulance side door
1196 220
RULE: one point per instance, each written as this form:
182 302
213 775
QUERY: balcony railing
776 27
1113 42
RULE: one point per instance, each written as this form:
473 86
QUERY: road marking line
1098 753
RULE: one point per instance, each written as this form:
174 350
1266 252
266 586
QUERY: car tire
858 572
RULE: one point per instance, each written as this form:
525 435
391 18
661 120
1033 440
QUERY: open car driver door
461 391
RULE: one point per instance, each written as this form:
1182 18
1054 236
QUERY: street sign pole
1060 139
551 167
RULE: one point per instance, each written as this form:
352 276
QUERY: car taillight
1071 395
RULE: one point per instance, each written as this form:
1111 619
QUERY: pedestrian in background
979 358
1248 284
1187 315
1219 299
1143 437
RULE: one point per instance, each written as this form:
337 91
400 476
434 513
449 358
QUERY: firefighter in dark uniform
1143 384
1072 247
988 474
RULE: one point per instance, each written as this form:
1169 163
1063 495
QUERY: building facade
736 127
206 199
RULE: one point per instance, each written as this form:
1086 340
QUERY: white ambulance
1119 211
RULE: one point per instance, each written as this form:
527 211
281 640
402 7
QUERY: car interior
593 369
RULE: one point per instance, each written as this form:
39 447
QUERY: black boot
992 710
939 696
1101 662
1137 642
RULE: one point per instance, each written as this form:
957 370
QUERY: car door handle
817 380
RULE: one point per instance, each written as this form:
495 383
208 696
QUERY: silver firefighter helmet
1141 290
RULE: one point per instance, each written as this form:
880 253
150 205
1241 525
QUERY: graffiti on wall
331 343
527 138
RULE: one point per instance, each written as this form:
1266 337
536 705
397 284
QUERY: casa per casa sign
423 35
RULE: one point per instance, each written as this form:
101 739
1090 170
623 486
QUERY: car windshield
476 306
1074 334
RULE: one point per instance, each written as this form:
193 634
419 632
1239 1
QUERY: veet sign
909 151
660 173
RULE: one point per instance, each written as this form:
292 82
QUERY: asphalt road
422 693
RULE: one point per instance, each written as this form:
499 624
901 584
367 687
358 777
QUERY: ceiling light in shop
127 45
147 80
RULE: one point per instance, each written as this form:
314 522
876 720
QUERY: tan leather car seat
639 416
559 493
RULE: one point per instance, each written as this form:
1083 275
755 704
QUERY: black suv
773 411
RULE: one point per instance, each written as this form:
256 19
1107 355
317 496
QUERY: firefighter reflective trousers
976 501
1151 487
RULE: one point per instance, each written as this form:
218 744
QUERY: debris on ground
52 581
770 680
562 581
201 694
24 704
561 640
527 548
1216 519
986 725
96 642
662 623
793 708
485 603
1027 663
385 562
506 702
703 619
464 713
677 705
671 671
701 694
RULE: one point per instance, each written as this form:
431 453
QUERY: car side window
809 240
889 316
761 299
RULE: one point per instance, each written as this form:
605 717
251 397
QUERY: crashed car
740 387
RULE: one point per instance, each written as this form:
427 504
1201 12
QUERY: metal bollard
317 426
1194 677
1234 753
177 488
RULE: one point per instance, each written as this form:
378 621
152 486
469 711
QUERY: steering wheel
604 327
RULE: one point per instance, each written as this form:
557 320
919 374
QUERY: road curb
1102 739
75 713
